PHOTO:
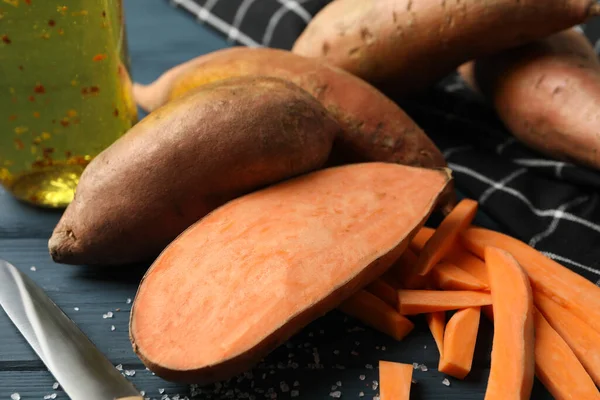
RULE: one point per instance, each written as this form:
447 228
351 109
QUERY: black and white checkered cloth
552 205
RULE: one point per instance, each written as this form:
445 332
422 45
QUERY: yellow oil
65 93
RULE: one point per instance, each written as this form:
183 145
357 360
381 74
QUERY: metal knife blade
82 370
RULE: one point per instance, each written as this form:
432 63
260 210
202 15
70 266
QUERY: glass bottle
65 93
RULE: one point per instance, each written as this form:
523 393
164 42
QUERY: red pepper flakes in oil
28 2
21 68
51 22
36 141
31 99
103 14
68 154
39 88
99 57
116 112
61 31
62 9
19 144
94 89
76 121
36 114
6 39
64 122
12 117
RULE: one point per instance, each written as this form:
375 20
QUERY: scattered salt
310 334
15 396
361 394
336 352
339 383
354 353
423 367
446 382
294 393
128 301
375 397
362 377
375 385
368 366
336 395
425 346
76 308
296 383
161 390
112 328
50 396
415 365
357 343
284 387
143 393
129 372
119 367
33 268
108 315
55 385
333 387
383 348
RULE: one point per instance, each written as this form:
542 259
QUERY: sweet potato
460 337
374 127
437 324
246 277
184 160
405 46
513 366
546 93
447 276
395 380
412 302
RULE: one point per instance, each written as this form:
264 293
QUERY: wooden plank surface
333 350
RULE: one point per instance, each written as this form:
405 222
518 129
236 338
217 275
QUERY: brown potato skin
547 94
405 46
184 160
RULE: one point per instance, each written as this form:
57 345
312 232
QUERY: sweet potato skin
547 94
184 160
375 128
404 46
375 263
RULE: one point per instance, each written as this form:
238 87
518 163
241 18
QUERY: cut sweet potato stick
418 241
468 262
581 338
384 291
447 276
512 368
557 367
414 302
404 271
460 337
570 290
394 380
374 312
437 325
445 235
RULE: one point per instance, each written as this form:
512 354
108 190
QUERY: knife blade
83 372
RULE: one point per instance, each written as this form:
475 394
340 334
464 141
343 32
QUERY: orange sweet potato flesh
306 245
572 291
447 276
557 366
418 242
414 302
512 368
391 42
545 93
384 291
374 312
184 160
404 272
446 235
581 338
394 380
437 324
375 128
460 338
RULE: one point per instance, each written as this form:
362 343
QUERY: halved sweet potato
249 275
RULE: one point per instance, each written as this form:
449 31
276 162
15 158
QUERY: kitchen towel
552 205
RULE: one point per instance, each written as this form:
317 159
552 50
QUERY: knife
83 372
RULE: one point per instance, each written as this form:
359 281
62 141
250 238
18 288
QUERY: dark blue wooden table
334 355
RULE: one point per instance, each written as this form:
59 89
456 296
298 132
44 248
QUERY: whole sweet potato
184 160
375 128
405 46
547 94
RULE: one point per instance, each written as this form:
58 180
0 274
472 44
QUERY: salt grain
128 301
336 395
339 383
375 385
423 367
336 352
294 393
362 377
296 383
112 328
119 367
130 372
76 308
161 390
50 396
55 385
33 268
446 382
415 365
368 366
143 393
361 394
15 396
284 387
108 315
333 387
383 348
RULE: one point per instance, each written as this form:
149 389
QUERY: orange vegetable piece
445 235
419 240
468 262
437 325
569 289
557 367
427 301
448 276
459 343
405 273
374 312
512 367
581 338
394 380
384 291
